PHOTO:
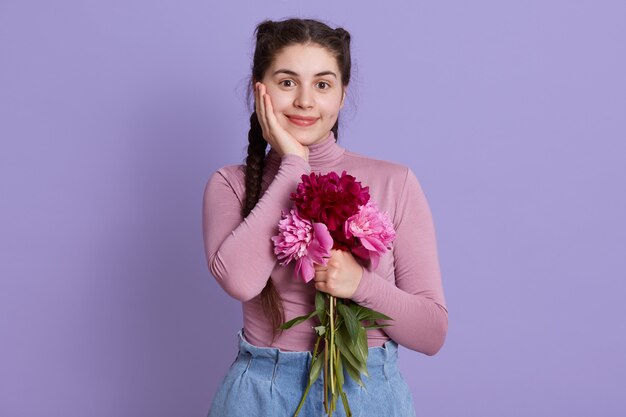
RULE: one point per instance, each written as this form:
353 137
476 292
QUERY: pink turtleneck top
406 285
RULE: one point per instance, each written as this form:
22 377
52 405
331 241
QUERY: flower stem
326 374
306 391
332 343
342 394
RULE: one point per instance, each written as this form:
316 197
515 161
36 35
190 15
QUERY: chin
305 139
309 138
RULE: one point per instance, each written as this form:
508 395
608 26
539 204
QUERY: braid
255 162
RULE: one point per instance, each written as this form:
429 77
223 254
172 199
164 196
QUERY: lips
301 120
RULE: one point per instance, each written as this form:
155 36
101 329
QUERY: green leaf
364 313
316 367
354 373
376 326
340 382
354 350
320 304
357 310
320 330
338 322
362 349
367 314
297 320
346 407
351 321
347 352
339 371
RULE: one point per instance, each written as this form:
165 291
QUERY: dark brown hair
271 38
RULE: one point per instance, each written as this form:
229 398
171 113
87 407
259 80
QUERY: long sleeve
239 251
416 302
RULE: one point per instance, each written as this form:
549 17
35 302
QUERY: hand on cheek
275 135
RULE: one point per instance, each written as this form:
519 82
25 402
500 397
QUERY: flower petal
373 244
305 269
322 235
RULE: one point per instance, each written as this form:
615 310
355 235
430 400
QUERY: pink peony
294 235
301 240
374 231
317 252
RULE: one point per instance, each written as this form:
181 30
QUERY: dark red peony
330 199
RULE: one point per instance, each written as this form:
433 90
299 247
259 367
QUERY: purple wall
114 115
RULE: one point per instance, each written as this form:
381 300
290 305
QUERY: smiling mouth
302 121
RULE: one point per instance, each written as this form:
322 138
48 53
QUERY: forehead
305 60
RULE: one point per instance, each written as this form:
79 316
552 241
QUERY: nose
304 98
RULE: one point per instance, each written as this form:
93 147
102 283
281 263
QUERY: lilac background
114 114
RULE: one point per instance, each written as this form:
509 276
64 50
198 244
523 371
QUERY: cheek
331 102
330 107
280 100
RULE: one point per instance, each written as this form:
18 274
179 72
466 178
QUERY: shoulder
393 185
227 178
383 172
231 172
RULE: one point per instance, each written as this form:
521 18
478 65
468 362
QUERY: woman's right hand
278 138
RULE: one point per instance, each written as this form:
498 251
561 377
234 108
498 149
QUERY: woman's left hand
341 275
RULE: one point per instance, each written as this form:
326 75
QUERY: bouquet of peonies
334 212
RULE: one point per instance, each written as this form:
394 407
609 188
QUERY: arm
239 252
416 301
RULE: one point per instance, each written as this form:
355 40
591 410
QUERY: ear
343 98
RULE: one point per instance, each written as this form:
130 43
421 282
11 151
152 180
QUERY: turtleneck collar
322 154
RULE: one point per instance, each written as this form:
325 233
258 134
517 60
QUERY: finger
320 276
257 99
261 104
261 111
320 268
324 287
269 113
270 117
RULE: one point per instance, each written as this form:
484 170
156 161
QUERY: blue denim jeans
268 382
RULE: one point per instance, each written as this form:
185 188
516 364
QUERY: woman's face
304 81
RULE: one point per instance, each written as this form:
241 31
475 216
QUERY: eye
285 81
326 84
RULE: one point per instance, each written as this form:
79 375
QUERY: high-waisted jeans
265 381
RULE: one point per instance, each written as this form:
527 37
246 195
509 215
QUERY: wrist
358 281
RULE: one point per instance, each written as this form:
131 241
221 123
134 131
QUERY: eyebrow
289 72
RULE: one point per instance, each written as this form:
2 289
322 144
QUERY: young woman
300 77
